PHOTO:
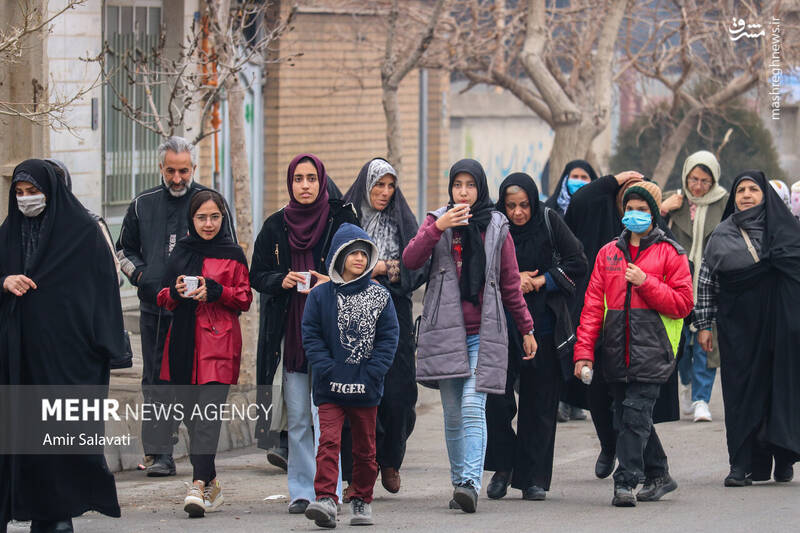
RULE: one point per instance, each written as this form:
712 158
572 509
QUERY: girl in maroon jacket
639 292
204 343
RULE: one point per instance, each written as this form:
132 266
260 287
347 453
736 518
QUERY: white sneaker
212 496
685 396
194 504
701 411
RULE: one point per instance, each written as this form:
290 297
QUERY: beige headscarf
716 193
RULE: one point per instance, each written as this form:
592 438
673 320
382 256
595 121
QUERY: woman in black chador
749 284
60 324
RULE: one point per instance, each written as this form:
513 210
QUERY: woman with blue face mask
575 175
638 294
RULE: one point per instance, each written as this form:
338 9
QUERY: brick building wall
328 102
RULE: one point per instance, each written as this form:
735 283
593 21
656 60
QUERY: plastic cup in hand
461 206
586 375
191 285
306 283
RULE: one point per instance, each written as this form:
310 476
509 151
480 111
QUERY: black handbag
564 334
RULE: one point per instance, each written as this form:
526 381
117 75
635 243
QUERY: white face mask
31 206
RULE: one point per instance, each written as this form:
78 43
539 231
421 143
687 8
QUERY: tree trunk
672 147
394 140
571 141
244 221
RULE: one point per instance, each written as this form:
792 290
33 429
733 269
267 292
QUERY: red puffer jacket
218 337
641 326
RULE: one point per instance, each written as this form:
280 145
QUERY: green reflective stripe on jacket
674 327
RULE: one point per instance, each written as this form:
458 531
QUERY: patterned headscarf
380 225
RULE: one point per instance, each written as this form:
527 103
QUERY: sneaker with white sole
685 396
701 411
194 503
322 512
212 496
362 513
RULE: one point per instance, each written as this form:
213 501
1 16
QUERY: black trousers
529 452
639 450
204 429
156 434
600 403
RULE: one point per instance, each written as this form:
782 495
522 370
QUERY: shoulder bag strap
750 247
556 254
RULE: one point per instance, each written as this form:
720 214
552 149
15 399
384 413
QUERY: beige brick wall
328 102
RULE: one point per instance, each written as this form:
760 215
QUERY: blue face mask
573 185
637 221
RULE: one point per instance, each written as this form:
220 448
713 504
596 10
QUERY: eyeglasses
203 218
703 182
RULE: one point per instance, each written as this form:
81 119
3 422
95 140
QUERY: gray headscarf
379 225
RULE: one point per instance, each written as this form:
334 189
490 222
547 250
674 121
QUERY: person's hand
453 217
180 285
321 278
635 275
706 340
201 292
526 281
579 366
672 203
291 280
18 284
529 346
622 177
380 269
539 282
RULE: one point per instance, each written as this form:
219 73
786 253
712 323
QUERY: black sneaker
623 497
466 496
48 526
163 465
655 488
322 512
298 506
498 486
534 493
738 478
453 505
278 457
362 513
784 472
604 465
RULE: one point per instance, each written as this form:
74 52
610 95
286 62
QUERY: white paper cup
191 284
461 206
586 375
306 283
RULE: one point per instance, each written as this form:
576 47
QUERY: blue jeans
303 429
465 422
693 368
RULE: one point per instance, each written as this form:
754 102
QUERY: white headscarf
715 194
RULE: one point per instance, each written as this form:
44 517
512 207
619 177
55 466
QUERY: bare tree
722 49
405 46
558 59
47 107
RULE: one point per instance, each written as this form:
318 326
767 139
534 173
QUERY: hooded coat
64 332
756 316
350 330
561 195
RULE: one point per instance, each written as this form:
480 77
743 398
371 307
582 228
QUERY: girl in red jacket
204 343
639 292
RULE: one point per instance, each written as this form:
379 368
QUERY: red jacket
640 326
218 337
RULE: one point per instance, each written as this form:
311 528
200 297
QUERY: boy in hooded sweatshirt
350 351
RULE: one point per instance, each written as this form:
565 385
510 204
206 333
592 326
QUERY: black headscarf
561 186
529 238
187 259
399 210
473 271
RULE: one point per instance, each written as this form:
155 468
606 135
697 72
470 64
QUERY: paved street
577 502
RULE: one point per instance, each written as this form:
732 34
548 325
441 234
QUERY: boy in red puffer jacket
639 292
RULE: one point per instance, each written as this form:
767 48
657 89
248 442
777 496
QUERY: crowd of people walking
605 296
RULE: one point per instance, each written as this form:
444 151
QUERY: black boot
498 486
163 465
604 465
534 493
784 472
